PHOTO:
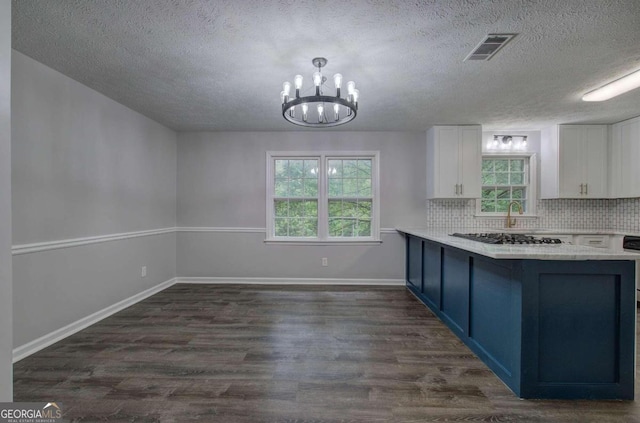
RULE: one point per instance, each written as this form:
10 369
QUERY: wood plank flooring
248 353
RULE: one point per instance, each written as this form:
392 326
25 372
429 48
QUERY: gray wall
84 165
6 378
221 184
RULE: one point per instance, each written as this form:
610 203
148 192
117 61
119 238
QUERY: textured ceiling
219 65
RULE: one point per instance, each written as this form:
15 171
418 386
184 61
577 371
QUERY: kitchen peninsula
551 321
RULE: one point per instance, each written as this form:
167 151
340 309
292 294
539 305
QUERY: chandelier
340 110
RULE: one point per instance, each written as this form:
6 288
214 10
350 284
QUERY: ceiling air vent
488 47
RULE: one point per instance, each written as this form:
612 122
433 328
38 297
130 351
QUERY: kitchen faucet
512 222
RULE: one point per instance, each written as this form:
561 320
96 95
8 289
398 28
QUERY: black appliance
504 238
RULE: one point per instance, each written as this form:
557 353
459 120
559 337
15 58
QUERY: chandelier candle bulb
337 81
320 112
287 88
298 83
336 110
351 86
305 108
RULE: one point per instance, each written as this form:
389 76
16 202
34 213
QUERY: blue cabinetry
548 329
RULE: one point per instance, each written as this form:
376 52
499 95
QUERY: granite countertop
529 252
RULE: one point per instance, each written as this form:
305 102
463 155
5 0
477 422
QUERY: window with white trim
507 178
322 196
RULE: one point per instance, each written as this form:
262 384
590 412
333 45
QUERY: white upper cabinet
574 162
624 171
454 159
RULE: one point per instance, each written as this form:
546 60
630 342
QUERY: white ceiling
219 65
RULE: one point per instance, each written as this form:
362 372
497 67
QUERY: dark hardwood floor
247 353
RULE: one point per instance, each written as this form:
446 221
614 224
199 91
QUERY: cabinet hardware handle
586 189
461 189
581 189
456 189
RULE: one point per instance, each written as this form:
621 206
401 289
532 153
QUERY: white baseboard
292 281
44 341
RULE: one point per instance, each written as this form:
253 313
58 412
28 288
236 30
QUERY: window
322 197
506 179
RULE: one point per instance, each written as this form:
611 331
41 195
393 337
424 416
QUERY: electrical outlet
143 271
325 261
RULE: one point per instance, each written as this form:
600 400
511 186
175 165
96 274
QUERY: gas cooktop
511 239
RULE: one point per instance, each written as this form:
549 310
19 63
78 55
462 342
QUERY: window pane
310 187
311 209
296 227
523 203
282 188
281 208
487 165
350 169
364 209
296 208
517 165
349 227
282 169
364 169
364 228
335 187
502 165
296 187
281 227
310 227
349 208
488 194
350 187
335 227
488 179
296 168
518 193
502 179
334 168
488 206
311 169
502 193
335 208
501 205
517 178
364 187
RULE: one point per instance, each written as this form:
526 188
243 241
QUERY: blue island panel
431 276
586 323
495 310
578 329
414 262
455 289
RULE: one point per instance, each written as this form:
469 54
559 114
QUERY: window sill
322 242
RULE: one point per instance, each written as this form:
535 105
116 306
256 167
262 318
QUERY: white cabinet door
571 162
470 162
447 152
454 158
625 156
595 155
581 162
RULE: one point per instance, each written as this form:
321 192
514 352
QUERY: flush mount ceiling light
340 111
615 88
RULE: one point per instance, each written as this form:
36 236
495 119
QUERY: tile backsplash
618 214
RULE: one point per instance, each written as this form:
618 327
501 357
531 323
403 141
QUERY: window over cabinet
506 179
322 197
